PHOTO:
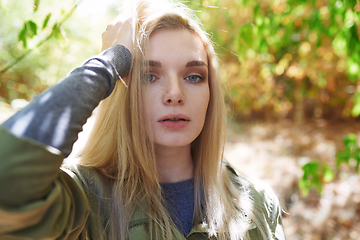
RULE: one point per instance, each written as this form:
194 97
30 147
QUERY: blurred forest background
291 73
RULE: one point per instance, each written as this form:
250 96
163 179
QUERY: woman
152 168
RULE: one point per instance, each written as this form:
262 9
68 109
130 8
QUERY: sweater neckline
178 186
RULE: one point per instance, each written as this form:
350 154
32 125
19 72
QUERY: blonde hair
120 148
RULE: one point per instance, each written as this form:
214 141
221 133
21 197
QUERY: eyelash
150 76
198 78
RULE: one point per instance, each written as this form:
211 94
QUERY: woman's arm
37 199
55 117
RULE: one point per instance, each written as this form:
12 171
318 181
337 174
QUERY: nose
173 94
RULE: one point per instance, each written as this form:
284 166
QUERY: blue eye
150 78
194 78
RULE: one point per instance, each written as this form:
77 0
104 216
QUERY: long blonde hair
120 148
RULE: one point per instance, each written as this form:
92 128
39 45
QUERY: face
176 95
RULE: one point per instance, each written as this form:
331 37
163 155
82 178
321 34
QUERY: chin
177 139
173 144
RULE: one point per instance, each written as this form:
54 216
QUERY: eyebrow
193 63
154 64
196 63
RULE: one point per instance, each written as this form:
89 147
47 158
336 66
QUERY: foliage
294 59
351 152
316 174
36 50
290 59
30 30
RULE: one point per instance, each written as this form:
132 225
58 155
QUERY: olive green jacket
40 200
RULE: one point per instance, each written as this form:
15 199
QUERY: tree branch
17 60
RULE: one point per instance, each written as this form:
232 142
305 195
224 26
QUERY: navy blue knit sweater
180 200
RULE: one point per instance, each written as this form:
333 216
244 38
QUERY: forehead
176 45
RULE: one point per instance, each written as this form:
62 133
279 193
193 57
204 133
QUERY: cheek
147 103
146 111
203 100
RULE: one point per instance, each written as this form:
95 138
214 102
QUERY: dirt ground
275 154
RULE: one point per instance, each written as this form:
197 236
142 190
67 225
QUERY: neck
174 164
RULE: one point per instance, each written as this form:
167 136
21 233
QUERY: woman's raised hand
119 31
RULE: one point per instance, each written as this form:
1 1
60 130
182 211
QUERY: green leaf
318 186
340 44
22 35
36 5
315 174
264 47
246 33
354 68
350 141
356 156
356 109
348 21
259 20
328 174
29 30
56 31
33 29
355 112
342 156
310 178
46 21
304 187
256 9
258 17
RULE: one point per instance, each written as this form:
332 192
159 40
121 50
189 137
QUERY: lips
174 121
174 117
